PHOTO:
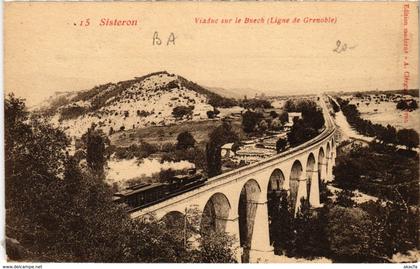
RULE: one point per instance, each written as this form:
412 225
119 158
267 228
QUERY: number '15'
85 22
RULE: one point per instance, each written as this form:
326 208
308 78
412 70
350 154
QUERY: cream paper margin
44 51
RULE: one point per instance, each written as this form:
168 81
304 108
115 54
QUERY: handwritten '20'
341 47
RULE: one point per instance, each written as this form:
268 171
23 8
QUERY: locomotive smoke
123 170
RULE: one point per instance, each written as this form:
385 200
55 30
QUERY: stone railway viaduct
237 201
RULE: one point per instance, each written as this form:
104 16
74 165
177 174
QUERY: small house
226 151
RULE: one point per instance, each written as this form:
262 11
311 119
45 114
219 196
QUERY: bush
276 124
407 105
210 114
185 140
262 126
281 144
143 113
180 112
256 103
141 151
345 198
72 112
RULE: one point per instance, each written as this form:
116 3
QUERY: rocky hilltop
144 101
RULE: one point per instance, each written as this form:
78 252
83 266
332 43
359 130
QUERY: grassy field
168 134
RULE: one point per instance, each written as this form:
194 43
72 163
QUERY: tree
290 106
344 198
281 219
302 235
220 136
407 105
217 247
413 105
386 135
95 149
394 228
284 117
408 138
273 114
389 135
314 118
250 120
281 144
311 114
34 156
49 194
200 158
307 127
324 192
40 182
397 170
94 226
402 105
152 241
185 140
166 175
309 232
348 232
177 239
300 133
380 240
402 227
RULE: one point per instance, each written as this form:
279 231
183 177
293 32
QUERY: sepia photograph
211 132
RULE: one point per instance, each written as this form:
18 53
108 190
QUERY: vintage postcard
211 132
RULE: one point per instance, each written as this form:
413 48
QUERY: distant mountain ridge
139 102
234 93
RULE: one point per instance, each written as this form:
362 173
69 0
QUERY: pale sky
45 52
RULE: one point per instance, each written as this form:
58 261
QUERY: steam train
146 194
